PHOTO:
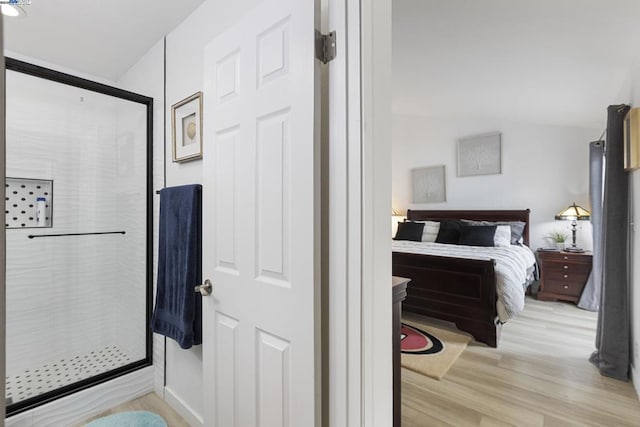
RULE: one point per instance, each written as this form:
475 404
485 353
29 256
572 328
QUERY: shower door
78 221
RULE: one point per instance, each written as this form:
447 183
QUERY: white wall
65 293
184 77
51 135
185 61
146 77
544 168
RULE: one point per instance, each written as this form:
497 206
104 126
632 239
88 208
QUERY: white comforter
511 266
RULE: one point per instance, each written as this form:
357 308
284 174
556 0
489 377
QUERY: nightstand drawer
581 258
579 276
558 269
563 287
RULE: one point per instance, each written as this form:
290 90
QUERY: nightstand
563 275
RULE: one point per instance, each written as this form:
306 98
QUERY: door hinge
325 46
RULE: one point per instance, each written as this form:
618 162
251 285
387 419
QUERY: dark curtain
590 299
612 340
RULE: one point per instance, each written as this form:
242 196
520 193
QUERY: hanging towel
178 310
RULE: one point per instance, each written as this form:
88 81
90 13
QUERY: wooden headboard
522 215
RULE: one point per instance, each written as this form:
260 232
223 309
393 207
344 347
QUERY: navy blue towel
178 311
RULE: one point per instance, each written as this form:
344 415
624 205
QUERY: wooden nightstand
563 275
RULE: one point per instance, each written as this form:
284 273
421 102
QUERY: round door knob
205 289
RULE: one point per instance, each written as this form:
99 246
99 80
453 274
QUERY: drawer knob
566 267
566 286
566 275
566 257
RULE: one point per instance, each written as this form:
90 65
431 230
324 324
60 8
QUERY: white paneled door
261 220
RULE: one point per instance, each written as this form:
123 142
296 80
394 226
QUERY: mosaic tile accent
35 381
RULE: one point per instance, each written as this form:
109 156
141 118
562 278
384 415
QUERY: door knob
205 289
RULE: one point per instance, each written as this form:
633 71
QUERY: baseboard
77 407
180 406
635 377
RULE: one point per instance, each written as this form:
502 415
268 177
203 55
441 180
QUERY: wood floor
539 376
151 403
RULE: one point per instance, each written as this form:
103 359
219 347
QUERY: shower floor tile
38 380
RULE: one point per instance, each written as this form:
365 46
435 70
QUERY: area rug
429 350
130 419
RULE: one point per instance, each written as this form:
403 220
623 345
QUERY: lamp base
572 249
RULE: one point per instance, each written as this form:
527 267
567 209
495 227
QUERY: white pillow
502 236
430 230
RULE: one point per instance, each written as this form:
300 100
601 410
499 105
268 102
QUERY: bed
456 289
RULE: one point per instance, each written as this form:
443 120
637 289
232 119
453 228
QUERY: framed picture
632 139
480 155
186 124
428 184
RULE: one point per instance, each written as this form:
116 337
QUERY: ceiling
544 61
101 38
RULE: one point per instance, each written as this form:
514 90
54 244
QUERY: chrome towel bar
33 236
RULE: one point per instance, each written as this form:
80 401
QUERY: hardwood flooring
539 376
149 402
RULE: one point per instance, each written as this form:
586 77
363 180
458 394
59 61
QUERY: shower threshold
63 372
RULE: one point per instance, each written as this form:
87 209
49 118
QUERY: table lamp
396 217
574 213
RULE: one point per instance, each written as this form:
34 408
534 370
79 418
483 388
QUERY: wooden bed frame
457 290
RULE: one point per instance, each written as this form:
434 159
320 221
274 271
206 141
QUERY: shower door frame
79 82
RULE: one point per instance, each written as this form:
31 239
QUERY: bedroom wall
544 168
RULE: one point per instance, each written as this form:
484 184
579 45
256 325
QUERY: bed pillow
409 231
477 235
430 231
517 228
502 238
449 232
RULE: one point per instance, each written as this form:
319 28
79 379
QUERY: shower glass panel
77 238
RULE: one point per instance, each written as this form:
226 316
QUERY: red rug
416 341
430 350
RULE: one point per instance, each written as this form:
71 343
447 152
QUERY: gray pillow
517 228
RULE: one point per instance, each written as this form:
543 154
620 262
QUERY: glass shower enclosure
78 234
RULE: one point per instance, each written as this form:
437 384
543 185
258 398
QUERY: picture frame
428 184
186 126
632 139
480 155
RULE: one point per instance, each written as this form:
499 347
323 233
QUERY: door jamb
359 194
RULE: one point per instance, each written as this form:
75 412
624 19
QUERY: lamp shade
573 213
396 217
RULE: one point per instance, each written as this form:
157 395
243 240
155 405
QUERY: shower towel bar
32 236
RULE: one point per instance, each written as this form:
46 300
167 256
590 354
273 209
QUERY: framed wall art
186 124
480 155
631 139
428 184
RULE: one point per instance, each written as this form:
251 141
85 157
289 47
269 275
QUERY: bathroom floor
59 373
149 402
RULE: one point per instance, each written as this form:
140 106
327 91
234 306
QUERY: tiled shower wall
72 295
